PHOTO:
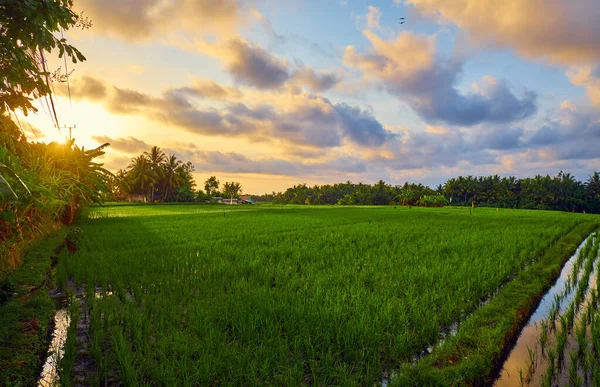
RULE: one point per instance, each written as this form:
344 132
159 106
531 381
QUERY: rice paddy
563 335
266 295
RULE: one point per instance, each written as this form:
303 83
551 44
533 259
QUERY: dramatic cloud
299 118
143 19
360 126
572 133
237 163
557 30
317 82
128 145
234 162
206 88
409 67
248 63
252 65
502 138
90 87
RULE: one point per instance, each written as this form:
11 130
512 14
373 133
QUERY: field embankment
26 314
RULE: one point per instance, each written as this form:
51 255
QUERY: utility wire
32 129
20 127
43 61
66 73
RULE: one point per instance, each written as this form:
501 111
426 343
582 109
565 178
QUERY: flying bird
401 21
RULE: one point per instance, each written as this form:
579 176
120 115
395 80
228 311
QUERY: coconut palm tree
172 177
141 173
592 186
121 184
156 157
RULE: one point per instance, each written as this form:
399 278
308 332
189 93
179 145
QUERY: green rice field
297 295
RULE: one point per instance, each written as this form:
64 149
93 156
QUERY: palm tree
592 186
122 186
141 172
156 157
172 177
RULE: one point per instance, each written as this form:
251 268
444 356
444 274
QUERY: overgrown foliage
28 29
41 186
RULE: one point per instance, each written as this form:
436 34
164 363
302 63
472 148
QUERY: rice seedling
289 295
561 341
552 368
532 362
574 378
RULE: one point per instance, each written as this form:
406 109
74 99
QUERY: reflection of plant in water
552 315
65 366
531 366
543 335
521 379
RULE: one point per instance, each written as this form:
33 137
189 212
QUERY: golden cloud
143 19
560 31
586 76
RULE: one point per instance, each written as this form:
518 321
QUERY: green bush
73 239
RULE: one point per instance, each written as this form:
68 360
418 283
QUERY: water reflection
49 375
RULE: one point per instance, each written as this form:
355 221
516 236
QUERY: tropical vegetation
562 192
29 30
154 176
41 187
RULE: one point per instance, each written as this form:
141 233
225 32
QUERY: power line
66 73
43 61
20 127
32 129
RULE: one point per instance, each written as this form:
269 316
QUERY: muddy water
527 362
49 375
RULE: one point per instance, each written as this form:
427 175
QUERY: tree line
562 192
154 175
157 176
350 193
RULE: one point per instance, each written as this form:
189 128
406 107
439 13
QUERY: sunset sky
275 93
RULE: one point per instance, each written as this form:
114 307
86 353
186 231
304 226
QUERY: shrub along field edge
476 354
26 318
